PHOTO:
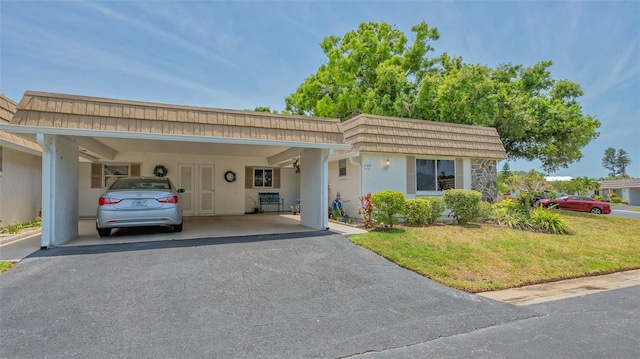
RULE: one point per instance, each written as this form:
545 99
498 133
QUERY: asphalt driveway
310 294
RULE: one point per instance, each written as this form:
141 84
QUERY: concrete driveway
312 294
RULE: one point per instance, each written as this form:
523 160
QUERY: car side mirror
180 190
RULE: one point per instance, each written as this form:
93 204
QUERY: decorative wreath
230 176
160 171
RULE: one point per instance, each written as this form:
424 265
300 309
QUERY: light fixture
387 163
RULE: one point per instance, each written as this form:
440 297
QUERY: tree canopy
375 69
616 163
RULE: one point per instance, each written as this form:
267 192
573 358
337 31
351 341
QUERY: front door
197 181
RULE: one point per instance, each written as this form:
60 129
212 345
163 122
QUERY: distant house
628 189
20 173
416 157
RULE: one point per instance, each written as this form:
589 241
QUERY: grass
636 209
5 266
477 258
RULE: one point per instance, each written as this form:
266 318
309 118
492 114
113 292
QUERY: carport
89 141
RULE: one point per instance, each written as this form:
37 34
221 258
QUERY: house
224 159
628 189
416 157
20 173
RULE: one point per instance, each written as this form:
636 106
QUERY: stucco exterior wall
20 187
634 196
230 198
348 186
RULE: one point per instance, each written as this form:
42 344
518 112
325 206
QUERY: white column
314 180
59 190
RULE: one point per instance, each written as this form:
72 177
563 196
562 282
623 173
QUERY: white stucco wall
313 176
348 186
634 196
20 187
230 198
59 191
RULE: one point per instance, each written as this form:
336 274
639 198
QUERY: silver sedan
139 202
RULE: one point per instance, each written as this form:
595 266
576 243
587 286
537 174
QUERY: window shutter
276 177
135 170
411 175
248 177
459 173
96 175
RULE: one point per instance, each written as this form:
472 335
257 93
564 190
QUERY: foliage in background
528 186
582 186
387 206
376 69
463 203
616 163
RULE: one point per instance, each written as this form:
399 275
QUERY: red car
576 203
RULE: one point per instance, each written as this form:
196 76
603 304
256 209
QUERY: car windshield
141 183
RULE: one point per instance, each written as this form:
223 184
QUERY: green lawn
5 266
477 258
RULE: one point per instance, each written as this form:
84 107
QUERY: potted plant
296 164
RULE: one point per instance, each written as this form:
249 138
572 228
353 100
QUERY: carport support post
59 189
314 179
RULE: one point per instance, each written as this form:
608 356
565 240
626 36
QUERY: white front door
197 181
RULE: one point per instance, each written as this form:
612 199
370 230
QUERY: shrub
612 195
13 229
437 208
511 214
617 200
387 206
463 203
366 210
598 198
486 211
548 221
417 211
625 201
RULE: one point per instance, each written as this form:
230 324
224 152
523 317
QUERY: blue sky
240 55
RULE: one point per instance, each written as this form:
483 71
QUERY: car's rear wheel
596 210
178 227
552 205
104 232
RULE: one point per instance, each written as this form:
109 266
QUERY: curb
24 234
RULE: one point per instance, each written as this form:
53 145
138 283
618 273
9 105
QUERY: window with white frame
342 168
435 175
263 177
111 172
104 174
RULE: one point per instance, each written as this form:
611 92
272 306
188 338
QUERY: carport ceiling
195 148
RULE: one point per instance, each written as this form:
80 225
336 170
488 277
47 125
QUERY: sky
243 54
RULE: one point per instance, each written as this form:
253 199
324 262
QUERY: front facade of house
416 157
224 159
20 173
628 189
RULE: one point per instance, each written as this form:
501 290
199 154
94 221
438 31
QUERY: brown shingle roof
370 133
614 184
81 112
7 110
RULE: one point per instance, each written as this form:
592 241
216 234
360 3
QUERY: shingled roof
625 183
7 110
81 112
370 133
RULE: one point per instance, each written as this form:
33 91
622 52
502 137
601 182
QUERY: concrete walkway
547 292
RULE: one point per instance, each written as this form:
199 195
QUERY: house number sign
366 166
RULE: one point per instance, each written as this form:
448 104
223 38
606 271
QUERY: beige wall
20 187
230 198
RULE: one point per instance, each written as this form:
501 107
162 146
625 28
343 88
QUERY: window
104 174
263 177
342 168
435 175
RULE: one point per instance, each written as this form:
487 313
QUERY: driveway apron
312 294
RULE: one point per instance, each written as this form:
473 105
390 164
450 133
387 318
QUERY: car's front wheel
596 210
104 232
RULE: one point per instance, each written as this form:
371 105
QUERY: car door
571 203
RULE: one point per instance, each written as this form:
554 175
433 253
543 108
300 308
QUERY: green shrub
13 229
616 200
625 201
598 198
437 208
548 221
486 211
511 214
417 211
387 206
463 203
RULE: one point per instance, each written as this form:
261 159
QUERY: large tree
609 160
622 161
377 70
